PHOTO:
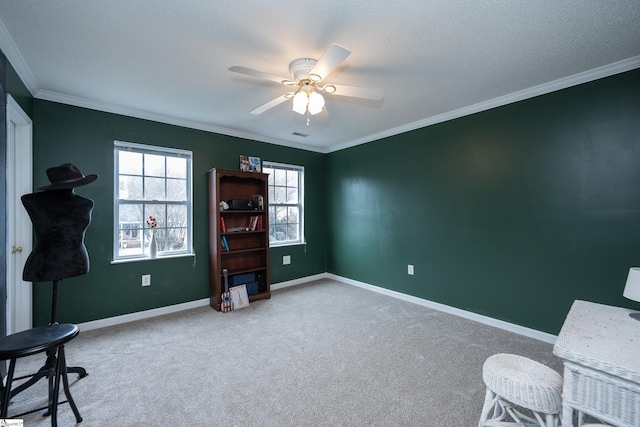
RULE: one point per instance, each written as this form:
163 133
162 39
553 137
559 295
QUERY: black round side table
50 338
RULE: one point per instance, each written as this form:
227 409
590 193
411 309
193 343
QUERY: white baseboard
511 327
140 315
126 318
528 332
300 281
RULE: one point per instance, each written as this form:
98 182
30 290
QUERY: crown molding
15 58
13 55
542 89
90 104
10 50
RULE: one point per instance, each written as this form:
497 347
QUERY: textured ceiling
168 60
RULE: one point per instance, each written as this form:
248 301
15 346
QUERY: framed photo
250 164
239 296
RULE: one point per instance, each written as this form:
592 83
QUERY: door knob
16 249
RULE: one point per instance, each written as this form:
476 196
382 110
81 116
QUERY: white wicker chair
520 392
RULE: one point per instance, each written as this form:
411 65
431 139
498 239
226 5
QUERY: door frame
19 229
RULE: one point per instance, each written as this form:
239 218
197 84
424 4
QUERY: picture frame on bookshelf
239 296
250 164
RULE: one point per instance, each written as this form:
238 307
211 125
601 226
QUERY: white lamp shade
300 102
316 102
632 288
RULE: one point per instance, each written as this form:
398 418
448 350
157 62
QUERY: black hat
67 176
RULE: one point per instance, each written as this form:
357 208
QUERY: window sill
281 245
142 259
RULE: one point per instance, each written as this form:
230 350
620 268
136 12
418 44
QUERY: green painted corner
512 213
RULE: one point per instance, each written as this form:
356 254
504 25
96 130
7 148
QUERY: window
151 183
286 196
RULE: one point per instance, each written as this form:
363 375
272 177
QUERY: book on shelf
225 244
252 222
223 227
260 225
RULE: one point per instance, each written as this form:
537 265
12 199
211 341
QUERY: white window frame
188 202
300 205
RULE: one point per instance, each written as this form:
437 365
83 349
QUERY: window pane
269 172
177 239
292 178
292 215
272 195
176 167
153 165
131 213
130 163
130 187
176 189
272 215
154 189
130 230
280 232
280 195
158 212
292 195
279 177
281 215
292 231
176 216
130 243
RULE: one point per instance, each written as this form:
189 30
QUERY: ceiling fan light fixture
306 88
329 89
300 101
316 102
304 101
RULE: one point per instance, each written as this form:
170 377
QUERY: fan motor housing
300 68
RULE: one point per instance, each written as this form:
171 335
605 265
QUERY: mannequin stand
49 368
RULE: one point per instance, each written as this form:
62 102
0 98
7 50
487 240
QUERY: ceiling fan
308 81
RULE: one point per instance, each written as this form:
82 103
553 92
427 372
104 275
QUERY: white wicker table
600 348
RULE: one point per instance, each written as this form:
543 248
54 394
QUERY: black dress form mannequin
60 218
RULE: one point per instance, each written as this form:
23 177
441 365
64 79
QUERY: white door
19 228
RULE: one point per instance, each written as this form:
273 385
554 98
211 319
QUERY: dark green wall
511 213
85 137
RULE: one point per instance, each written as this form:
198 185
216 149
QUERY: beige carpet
321 354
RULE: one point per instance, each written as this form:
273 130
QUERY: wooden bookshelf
248 249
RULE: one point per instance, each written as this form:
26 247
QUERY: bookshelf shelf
243 251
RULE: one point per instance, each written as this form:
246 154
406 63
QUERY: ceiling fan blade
330 59
357 92
255 73
264 107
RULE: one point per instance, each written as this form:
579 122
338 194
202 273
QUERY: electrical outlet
410 269
146 280
286 260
